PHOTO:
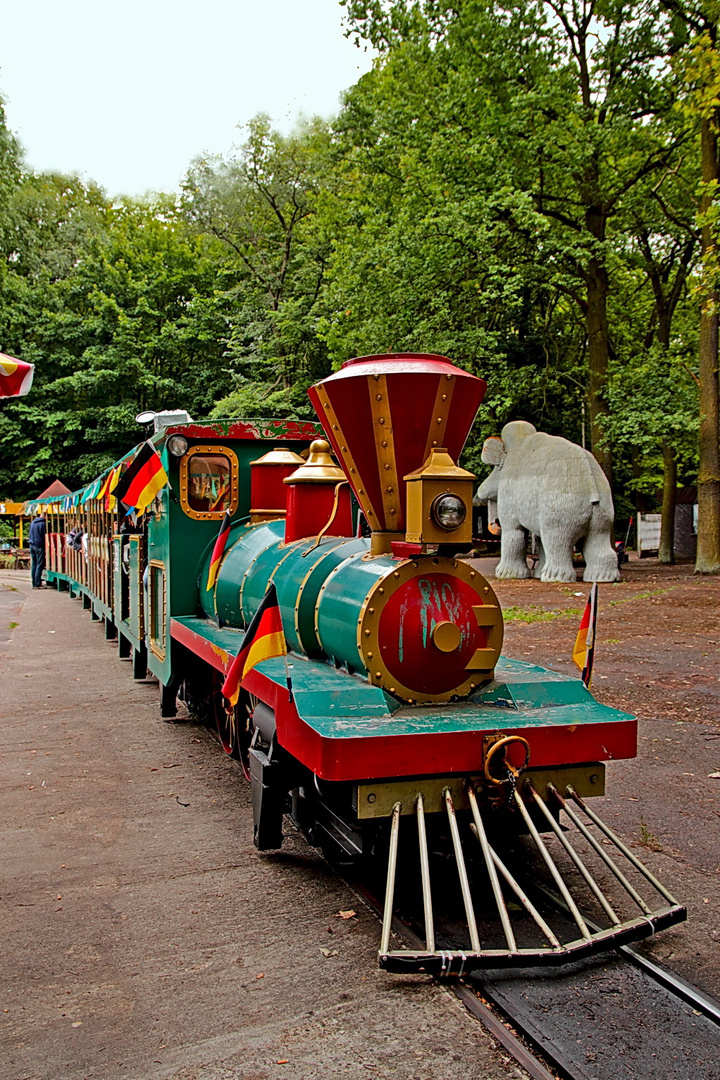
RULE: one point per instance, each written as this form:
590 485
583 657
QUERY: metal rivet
367 633
472 573
371 797
386 466
384 443
378 397
444 397
381 590
371 610
396 574
389 490
392 510
381 420
392 689
370 656
439 419
378 675
376 377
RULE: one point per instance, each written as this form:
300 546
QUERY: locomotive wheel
226 724
244 728
235 727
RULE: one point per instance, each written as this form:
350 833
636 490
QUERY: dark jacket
36 537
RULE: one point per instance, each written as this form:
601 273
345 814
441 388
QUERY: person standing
36 539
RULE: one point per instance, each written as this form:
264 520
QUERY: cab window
208 481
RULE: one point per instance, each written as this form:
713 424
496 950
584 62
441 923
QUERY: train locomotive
394 723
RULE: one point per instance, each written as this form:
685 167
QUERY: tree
697 63
261 206
570 96
118 309
653 393
10 165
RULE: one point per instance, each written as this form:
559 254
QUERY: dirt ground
657 656
145 937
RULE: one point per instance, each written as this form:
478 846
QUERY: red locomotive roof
384 414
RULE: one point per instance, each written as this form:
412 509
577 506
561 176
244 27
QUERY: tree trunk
708 543
596 321
666 554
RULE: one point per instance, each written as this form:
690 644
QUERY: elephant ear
493 451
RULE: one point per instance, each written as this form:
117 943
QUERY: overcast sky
127 93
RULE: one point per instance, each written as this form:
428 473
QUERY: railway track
618 1015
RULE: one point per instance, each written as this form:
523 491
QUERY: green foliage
513 185
118 309
261 206
10 159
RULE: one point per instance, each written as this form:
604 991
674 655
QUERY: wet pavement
143 935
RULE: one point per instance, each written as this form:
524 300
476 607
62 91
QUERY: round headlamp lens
448 512
177 445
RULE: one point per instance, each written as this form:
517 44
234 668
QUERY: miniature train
403 719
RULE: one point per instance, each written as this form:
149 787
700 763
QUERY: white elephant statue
552 488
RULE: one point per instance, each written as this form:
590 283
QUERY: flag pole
584 648
287 676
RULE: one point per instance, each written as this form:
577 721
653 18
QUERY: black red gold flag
142 480
218 551
584 648
264 638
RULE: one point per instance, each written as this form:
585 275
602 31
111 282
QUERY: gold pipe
557 877
492 871
390 885
589 879
462 871
425 874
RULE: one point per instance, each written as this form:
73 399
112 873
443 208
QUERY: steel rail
677 986
668 979
478 996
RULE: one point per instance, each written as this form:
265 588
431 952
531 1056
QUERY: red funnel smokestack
384 414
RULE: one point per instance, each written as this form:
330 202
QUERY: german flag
141 481
584 648
110 500
218 551
105 486
264 638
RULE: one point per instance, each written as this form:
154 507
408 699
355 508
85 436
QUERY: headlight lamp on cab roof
448 512
177 445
